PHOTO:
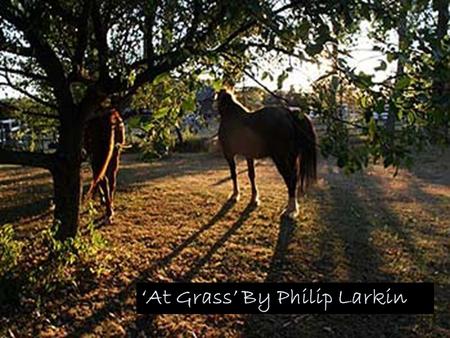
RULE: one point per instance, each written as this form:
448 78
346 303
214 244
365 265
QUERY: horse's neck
236 110
232 114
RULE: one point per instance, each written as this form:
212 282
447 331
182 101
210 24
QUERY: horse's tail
102 172
307 141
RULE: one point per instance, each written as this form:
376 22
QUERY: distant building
9 129
204 120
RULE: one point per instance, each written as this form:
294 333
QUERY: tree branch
223 45
79 74
31 75
277 49
101 43
149 21
44 54
44 115
9 47
58 10
26 93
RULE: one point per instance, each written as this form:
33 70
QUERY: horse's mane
228 100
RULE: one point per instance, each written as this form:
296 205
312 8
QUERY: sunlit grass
172 225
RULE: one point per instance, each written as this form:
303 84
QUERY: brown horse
104 138
275 132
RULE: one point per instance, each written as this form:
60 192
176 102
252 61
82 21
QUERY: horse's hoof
291 214
234 198
108 220
255 202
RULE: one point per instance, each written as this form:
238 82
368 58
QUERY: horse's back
274 118
274 124
258 134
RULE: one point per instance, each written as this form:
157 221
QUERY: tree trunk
67 178
67 197
401 31
443 17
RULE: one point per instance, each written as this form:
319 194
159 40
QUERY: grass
173 224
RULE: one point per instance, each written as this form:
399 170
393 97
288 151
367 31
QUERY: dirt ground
173 224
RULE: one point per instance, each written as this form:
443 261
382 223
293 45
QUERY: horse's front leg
232 163
251 176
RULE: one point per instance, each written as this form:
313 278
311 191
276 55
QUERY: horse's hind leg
251 176
232 164
111 173
108 202
288 170
103 189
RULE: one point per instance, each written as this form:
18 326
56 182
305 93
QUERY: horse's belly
249 144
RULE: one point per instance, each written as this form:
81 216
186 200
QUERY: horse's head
224 101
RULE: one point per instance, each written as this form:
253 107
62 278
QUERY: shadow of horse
144 324
348 223
187 277
287 227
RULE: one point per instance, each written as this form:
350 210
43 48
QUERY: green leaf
303 29
189 104
364 80
335 83
160 78
391 56
313 49
324 34
382 66
161 112
217 85
132 77
133 122
281 78
402 82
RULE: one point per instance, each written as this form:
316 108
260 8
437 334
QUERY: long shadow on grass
358 209
349 222
432 166
346 253
24 196
278 261
133 173
195 269
188 241
144 323
18 179
33 209
263 325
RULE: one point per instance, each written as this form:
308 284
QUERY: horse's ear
222 95
228 87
